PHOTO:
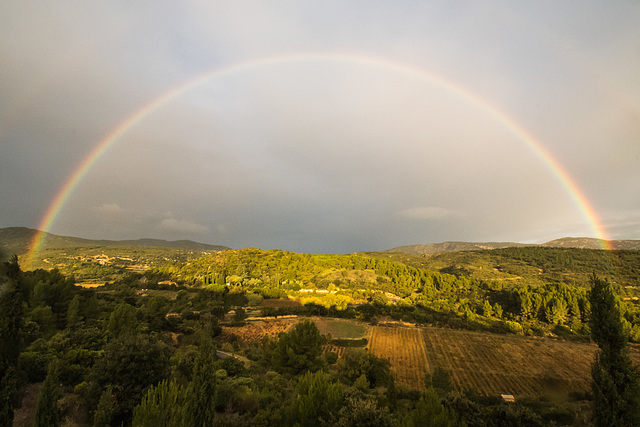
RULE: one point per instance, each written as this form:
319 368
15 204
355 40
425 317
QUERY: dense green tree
107 408
122 320
47 411
556 311
73 312
130 364
299 350
162 406
487 308
357 363
317 400
440 380
615 381
367 412
429 411
201 392
11 339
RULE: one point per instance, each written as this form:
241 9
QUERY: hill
565 242
434 248
16 240
530 265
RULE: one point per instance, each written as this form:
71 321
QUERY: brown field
254 331
505 364
404 348
491 364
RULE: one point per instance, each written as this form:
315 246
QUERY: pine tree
615 381
299 350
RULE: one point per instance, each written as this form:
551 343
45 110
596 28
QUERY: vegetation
202 340
616 382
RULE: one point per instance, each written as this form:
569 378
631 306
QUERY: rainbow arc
537 148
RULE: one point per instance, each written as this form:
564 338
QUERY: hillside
565 242
531 265
434 248
16 240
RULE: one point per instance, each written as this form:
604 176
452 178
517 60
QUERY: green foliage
11 339
317 401
299 350
429 411
201 391
107 408
130 364
361 364
440 380
73 312
360 412
47 412
615 381
122 321
536 265
163 405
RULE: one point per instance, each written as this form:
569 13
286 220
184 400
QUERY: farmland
490 364
501 364
254 332
405 350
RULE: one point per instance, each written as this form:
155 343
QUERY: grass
341 328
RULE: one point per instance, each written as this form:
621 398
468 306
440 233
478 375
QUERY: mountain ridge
564 242
16 240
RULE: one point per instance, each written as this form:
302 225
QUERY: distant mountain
16 240
591 243
435 248
565 242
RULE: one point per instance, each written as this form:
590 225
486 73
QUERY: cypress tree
11 330
163 405
200 409
47 412
615 381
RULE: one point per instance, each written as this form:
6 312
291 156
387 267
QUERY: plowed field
404 348
491 364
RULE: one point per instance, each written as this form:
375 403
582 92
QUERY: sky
321 126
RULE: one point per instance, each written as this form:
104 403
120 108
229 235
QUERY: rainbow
574 192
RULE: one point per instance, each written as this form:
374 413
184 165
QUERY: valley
379 328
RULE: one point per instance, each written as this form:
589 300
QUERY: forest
153 347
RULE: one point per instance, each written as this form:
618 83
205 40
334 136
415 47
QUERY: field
503 364
341 328
254 331
405 350
491 364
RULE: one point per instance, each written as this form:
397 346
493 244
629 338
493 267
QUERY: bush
513 327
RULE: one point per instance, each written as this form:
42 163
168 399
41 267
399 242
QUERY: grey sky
320 154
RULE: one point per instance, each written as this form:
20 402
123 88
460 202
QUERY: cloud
111 210
181 227
428 213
